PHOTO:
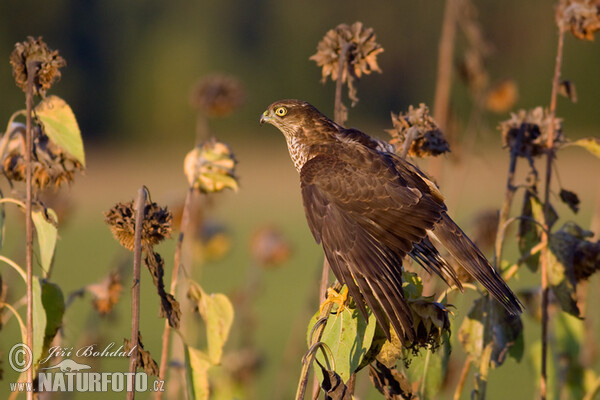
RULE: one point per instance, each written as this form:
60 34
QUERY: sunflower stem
308 359
32 67
550 150
463 378
339 109
135 289
185 219
443 84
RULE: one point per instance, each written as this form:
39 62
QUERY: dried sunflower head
156 226
47 63
217 95
361 54
269 247
502 97
418 126
106 293
430 320
526 132
210 167
52 166
212 240
581 17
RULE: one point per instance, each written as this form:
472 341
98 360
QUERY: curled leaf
561 276
59 123
169 306
571 199
217 312
45 222
591 144
144 358
390 382
504 335
197 365
48 311
567 89
210 167
333 386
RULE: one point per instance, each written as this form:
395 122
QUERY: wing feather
367 220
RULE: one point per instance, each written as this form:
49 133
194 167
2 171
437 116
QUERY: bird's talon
335 297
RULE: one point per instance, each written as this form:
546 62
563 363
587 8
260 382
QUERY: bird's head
290 116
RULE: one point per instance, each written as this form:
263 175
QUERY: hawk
369 208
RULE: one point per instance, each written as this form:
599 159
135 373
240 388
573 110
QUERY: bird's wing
367 218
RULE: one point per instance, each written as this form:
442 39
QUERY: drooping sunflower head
47 64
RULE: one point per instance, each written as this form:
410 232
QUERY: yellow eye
281 111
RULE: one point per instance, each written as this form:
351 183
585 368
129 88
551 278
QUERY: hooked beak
265 117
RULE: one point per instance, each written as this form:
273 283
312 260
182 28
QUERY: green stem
308 359
547 211
14 201
425 368
18 317
9 132
463 378
15 266
185 220
452 288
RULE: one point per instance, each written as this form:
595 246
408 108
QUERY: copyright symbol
20 357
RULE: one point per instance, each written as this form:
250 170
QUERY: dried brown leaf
169 307
144 358
390 382
571 199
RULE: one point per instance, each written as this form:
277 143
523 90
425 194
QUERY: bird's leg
336 297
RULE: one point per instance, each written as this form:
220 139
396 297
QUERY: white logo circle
20 357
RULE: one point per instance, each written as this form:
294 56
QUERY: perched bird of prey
369 208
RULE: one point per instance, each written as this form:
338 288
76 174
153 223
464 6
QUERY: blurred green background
131 66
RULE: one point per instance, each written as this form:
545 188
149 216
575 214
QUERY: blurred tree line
131 64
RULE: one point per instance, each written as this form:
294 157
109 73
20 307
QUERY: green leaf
197 365
60 125
349 336
504 334
48 311
45 221
217 312
560 271
39 320
470 334
529 232
429 369
591 144
412 285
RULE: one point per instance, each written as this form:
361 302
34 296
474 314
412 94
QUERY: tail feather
470 258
